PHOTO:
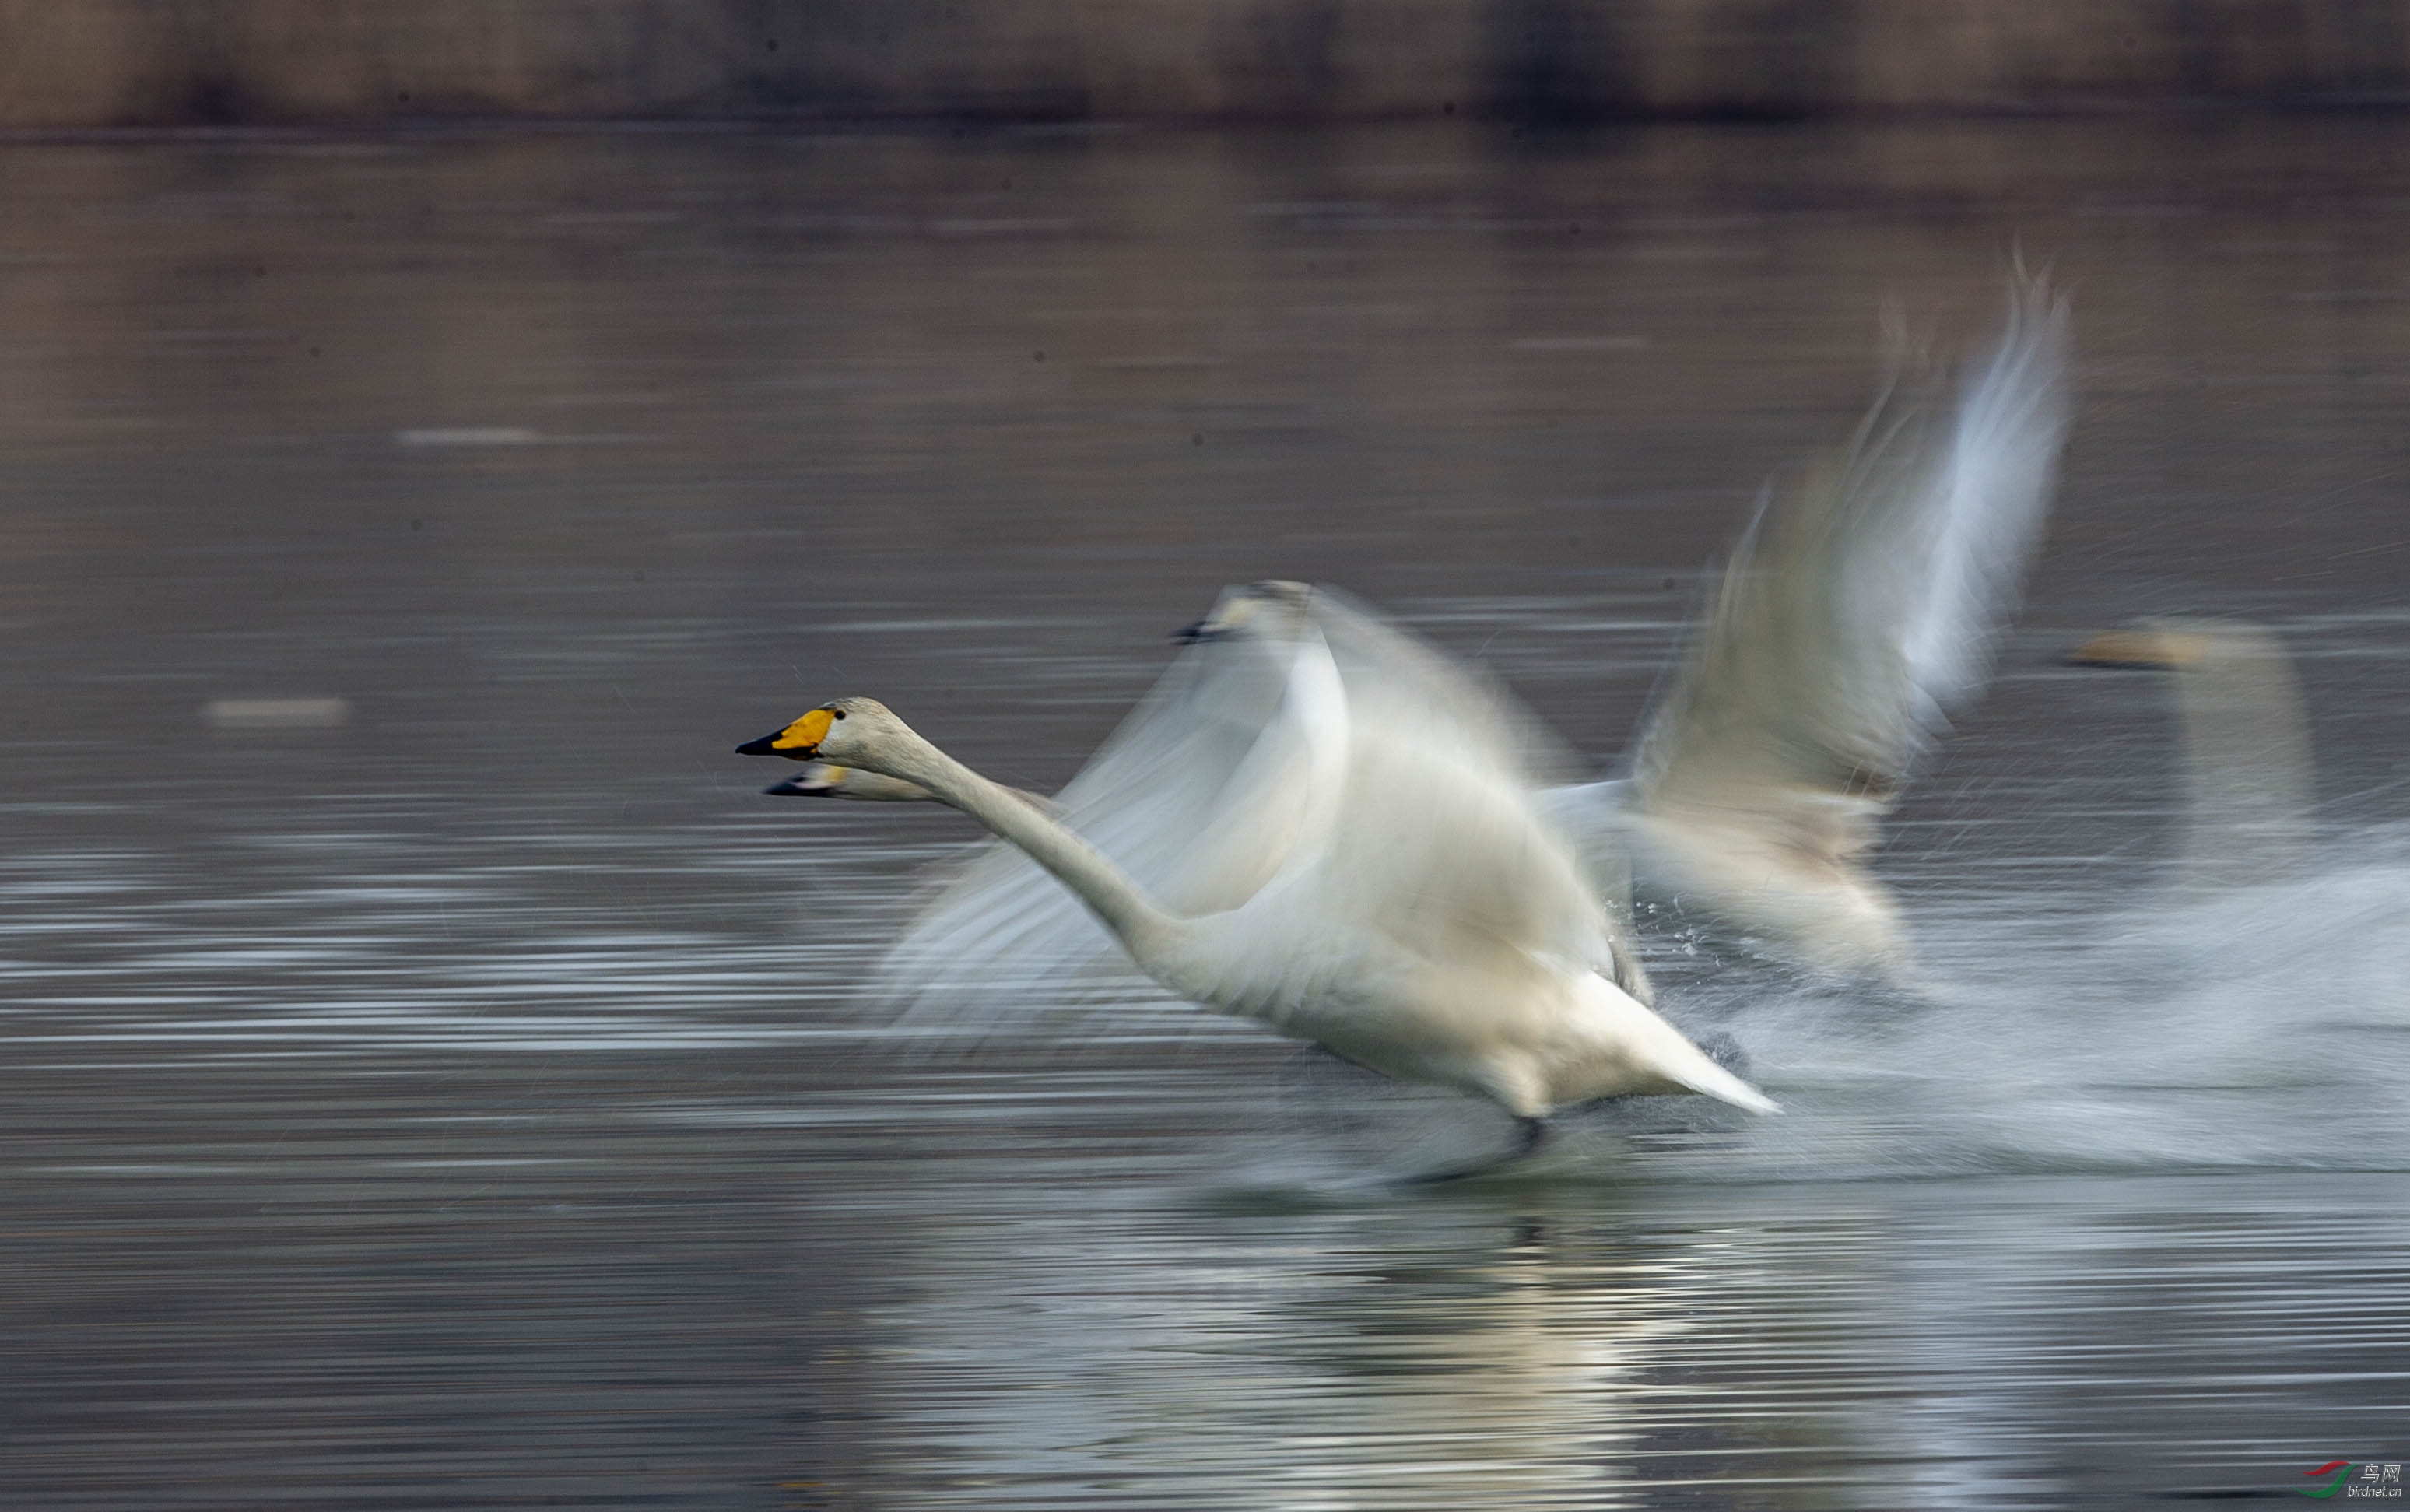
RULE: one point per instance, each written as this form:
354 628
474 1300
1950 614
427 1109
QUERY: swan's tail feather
1706 1076
1679 1061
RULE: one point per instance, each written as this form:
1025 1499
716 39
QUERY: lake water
431 1073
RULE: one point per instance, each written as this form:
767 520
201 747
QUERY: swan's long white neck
1144 928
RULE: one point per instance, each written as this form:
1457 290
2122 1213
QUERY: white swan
2250 789
1430 927
1200 794
1860 609
826 780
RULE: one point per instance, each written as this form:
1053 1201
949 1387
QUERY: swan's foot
1533 1133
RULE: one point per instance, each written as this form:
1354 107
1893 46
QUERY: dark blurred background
156 62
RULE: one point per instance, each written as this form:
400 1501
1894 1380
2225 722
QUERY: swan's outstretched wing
1863 607
1202 794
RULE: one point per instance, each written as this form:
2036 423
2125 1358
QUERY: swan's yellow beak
796 742
2161 649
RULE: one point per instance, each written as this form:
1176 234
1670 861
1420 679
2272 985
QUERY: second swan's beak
2149 648
816 780
798 742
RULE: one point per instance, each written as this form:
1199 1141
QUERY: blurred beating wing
1863 609
1441 832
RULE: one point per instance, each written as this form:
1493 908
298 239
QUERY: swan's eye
839 713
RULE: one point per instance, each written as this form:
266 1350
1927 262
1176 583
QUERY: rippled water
431 1077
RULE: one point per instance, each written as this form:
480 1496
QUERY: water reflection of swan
1299 1363
1424 921
1859 610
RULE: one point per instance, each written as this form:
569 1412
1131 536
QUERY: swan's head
1274 608
840 733
827 779
818 779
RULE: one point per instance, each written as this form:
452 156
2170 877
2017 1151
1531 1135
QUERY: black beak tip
759 748
1191 634
786 790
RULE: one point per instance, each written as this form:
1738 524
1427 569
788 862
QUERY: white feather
1859 611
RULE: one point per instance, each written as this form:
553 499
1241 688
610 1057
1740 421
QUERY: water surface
431 1075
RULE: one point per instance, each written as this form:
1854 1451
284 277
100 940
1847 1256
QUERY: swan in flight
826 780
2249 779
1205 791
1423 919
1859 611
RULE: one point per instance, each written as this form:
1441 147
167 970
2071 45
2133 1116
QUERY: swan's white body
1435 929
